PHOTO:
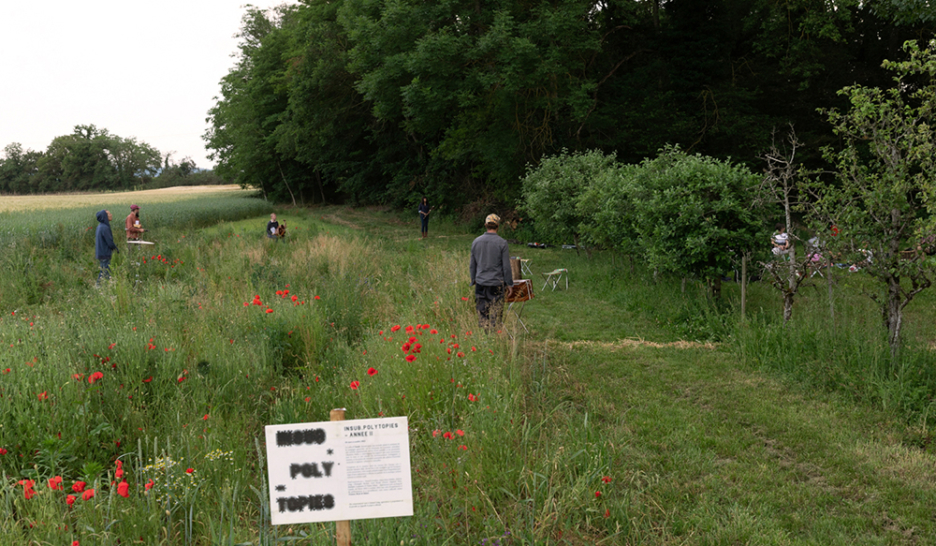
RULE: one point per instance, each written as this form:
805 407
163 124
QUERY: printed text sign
339 470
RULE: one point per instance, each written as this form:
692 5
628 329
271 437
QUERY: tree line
93 159
371 101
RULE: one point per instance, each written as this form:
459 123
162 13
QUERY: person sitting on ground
272 227
132 225
780 240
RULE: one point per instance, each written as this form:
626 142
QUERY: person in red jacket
132 225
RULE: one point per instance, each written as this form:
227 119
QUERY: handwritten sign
339 470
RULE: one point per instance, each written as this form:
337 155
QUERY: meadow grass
633 413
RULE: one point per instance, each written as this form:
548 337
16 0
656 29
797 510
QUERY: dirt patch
628 343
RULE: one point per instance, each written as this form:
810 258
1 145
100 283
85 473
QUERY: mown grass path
699 447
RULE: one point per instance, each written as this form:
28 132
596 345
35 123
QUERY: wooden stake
342 528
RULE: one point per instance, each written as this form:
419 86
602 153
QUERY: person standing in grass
490 272
104 246
424 211
132 225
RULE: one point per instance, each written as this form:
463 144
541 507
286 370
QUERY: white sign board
339 470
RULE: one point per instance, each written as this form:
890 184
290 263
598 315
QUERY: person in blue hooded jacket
104 245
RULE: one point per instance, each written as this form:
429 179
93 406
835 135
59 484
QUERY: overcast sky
147 70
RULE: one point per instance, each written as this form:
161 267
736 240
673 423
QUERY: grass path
701 448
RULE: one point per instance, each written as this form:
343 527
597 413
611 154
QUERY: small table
555 276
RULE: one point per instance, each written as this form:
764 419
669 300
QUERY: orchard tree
552 189
693 214
883 201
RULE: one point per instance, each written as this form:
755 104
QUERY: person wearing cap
490 272
132 225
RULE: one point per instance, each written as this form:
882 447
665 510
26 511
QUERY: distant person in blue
104 245
424 211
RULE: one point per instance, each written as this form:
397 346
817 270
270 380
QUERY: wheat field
22 203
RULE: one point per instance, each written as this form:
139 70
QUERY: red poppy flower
3 451
189 470
76 543
460 354
433 331
607 512
371 371
425 326
308 399
149 485
317 298
294 298
460 432
87 494
119 472
148 379
78 487
205 418
436 432
405 348
43 395
279 292
8 369
606 479
94 377
70 499
123 489
448 436
472 398
395 328
463 447
55 484
355 384
410 358
597 494
269 310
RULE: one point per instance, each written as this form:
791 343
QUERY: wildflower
3 451
123 489
94 377
472 398
448 436
269 310
597 494
119 472
28 490
410 358
607 512
395 328
78 487
205 418
354 385
70 499
148 379
463 447
460 432
294 298
433 331
43 395
55 484
316 298
371 371
88 494
112 345
460 354
436 432
149 485
308 399
409 329
606 479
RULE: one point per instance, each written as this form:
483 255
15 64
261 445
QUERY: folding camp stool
555 276
525 267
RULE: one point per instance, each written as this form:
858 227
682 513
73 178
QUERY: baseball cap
134 207
492 219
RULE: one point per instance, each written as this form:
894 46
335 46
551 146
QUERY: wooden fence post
342 528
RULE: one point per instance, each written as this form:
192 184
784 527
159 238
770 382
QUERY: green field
632 413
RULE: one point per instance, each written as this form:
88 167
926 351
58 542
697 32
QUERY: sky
148 70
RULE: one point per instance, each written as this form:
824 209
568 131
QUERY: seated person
780 240
272 227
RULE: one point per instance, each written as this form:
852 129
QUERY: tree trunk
744 258
893 315
716 287
787 306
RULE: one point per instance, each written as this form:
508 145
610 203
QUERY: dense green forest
370 101
93 159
